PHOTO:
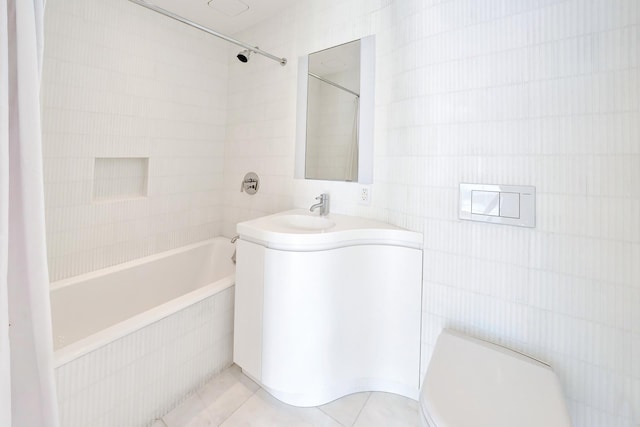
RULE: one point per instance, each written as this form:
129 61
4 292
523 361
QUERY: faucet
323 205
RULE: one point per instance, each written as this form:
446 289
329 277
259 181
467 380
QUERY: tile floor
232 399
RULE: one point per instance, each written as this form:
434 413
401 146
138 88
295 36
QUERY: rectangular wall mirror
334 137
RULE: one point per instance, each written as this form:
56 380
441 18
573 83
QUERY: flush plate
498 204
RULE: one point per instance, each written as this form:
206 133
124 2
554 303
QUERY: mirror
335 113
333 96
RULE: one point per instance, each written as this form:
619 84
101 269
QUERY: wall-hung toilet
473 383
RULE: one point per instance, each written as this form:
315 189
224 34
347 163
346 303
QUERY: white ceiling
214 16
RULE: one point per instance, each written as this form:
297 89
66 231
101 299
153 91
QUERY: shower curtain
27 390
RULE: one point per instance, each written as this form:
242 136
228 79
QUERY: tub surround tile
126 396
347 409
119 99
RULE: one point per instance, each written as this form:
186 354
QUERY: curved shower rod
282 61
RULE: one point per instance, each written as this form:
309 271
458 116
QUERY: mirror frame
366 110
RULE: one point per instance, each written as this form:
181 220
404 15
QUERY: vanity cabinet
327 320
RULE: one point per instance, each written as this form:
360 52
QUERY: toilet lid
471 383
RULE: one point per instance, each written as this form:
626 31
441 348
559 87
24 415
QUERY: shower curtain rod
282 61
322 79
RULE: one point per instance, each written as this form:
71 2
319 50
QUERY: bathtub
132 341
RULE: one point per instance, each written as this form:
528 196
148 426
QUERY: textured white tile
154 367
100 101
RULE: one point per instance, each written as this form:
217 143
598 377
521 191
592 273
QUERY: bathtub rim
63 283
86 345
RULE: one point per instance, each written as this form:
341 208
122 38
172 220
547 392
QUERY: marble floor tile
346 409
231 399
224 394
263 410
191 413
388 410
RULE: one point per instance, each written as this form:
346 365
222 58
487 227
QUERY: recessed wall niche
120 178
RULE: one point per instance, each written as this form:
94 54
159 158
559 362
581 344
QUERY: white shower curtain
27 389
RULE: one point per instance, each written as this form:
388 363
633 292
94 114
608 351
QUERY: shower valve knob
250 183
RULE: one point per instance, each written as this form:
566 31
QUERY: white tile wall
122 81
140 377
543 93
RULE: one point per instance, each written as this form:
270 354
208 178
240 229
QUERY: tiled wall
543 93
122 81
143 375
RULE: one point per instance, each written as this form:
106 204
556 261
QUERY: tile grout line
239 407
362 409
330 416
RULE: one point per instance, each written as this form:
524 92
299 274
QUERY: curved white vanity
328 306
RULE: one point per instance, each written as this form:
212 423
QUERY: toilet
474 383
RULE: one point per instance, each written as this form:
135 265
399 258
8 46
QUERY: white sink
300 229
306 222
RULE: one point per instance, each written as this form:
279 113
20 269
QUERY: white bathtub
132 340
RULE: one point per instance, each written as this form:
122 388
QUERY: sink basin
305 222
302 230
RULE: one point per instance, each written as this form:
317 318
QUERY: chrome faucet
323 205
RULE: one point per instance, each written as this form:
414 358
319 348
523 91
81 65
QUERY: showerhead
244 55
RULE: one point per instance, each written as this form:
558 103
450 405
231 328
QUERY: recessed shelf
120 178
